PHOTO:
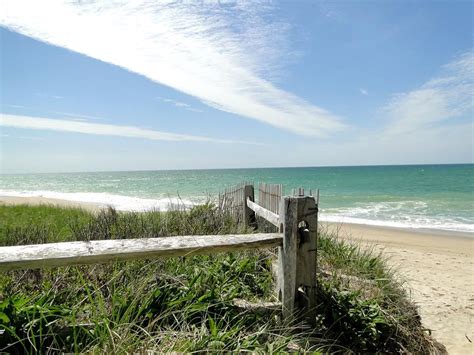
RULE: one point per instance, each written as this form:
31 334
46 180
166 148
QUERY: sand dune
439 272
34 201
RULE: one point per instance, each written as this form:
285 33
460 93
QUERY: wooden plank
263 308
101 251
271 217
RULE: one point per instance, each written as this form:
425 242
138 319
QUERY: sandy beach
35 201
437 267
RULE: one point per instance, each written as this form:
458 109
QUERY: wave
417 223
119 202
399 214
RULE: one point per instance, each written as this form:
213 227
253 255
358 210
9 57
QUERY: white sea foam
399 214
119 202
416 224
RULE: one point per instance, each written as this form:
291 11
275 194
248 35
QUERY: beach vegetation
188 304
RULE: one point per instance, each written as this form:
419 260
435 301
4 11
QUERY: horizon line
240 168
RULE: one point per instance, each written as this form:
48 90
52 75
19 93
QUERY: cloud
39 123
363 91
179 104
78 117
32 138
435 145
49 96
447 96
14 106
219 52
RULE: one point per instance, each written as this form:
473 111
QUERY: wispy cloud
447 96
74 116
49 96
14 106
32 138
39 123
178 104
363 91
78 117
222 54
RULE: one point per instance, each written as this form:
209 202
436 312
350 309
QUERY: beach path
439 273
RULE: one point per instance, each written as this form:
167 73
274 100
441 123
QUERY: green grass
186 304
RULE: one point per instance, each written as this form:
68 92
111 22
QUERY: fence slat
101 251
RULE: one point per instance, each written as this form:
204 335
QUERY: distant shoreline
36 201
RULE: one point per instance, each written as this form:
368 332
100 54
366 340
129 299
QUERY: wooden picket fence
295 217
232 199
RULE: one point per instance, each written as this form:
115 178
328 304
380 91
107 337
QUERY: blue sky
89 86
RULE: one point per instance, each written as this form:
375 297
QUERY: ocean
416 196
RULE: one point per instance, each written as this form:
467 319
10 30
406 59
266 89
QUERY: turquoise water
424 196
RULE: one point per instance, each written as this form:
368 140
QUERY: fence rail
271 217
101 251
295 216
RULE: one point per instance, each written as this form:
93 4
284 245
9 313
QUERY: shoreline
414 230
95 206
415 237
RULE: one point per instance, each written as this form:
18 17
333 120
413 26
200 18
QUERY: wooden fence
296 218
269 196
233 199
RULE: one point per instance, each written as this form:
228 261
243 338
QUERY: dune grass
187 303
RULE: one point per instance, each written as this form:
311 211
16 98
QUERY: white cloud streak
363 91
49 96
220 53
77 116
14 106
178 104
447 96
31 138
39 123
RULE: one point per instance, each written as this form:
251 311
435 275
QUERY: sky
147 85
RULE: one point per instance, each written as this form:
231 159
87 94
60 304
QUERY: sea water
416 196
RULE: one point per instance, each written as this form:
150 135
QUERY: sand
438 268
35 201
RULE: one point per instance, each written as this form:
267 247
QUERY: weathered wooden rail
271 217
296 221
101 251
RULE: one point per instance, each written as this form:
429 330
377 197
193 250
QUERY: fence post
249 214
287 255
297 257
